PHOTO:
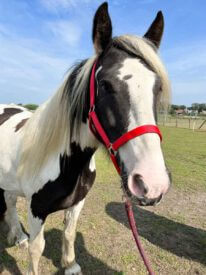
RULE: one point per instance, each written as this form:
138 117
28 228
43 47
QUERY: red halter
96 126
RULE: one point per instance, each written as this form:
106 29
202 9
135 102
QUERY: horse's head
130 80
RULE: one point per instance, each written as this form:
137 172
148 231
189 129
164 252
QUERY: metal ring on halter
111 150
92 108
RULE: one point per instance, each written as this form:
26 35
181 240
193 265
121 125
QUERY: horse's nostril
137 179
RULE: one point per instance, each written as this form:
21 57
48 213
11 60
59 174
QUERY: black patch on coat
20 124
2 204
71 186
8 112
112 102
128 76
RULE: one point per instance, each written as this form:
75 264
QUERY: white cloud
55 5
67 31
29 70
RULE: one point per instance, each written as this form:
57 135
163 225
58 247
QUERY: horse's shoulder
75 178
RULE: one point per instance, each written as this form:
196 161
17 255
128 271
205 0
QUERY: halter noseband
97 128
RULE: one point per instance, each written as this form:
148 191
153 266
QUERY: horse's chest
70 187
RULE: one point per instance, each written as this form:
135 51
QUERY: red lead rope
97 128
130 215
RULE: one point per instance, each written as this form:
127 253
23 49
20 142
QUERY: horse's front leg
36 242
68 254
16 234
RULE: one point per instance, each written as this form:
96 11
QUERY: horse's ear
155 31
102 28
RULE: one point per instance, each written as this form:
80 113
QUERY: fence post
194 124
176 122
189 123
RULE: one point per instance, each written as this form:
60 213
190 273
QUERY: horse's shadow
53 251
6 261
180 239
84 258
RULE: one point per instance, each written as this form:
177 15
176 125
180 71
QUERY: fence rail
194 123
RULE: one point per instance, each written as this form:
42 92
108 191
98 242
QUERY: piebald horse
48 156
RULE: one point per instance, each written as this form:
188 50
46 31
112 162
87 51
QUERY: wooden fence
194 123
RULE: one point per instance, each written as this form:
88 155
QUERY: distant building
180 112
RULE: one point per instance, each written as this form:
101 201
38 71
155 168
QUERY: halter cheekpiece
97 128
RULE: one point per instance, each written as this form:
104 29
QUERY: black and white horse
48 156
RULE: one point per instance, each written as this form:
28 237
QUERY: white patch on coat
2 108
9 150
49 172
92 166
142 155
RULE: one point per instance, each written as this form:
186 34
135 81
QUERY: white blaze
142 155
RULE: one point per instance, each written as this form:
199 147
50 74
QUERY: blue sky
41 39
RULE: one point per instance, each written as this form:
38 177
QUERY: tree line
194 107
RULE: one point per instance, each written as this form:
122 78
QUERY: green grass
185 154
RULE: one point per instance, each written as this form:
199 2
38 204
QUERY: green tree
31 107
195 106
182 107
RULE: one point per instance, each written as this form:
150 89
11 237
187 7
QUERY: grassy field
173 233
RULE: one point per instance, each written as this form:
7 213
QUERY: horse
48 156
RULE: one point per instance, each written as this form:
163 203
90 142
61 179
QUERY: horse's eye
106 86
